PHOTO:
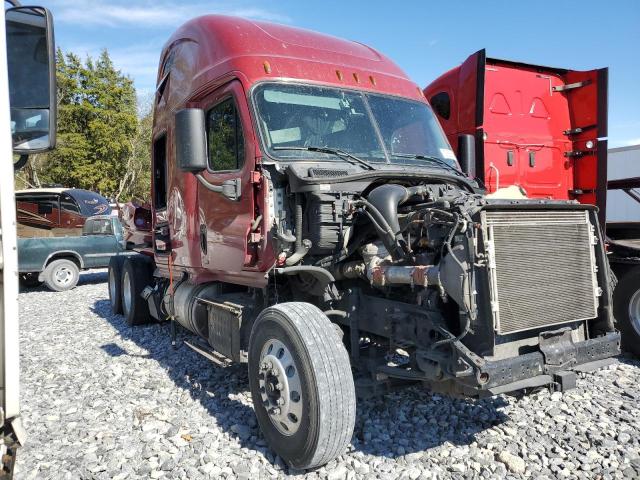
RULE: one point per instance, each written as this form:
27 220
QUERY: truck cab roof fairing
222 46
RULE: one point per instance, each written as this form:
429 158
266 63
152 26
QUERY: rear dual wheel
301 384
115 283
128 277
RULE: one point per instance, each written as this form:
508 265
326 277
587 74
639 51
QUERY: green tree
97 126
136 182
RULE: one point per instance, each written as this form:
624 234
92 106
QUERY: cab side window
225 140
441 103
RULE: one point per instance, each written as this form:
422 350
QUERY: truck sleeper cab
310 218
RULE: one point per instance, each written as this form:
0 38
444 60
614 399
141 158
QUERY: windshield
376 128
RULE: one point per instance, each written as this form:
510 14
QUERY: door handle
231 189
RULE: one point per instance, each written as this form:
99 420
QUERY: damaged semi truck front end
468 294
310 219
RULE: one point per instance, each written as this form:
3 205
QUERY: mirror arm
20 164
229 188
207 185
14 3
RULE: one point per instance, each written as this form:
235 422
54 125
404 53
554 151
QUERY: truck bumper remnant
540 368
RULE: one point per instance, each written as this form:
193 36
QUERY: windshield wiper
332 151
430 158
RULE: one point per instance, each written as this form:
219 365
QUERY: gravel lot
101 400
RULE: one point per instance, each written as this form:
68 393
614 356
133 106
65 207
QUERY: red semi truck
544 130
310 218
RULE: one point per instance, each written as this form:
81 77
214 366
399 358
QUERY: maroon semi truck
310 218
544 129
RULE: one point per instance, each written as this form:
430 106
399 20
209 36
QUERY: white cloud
145 13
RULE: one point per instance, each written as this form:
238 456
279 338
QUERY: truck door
586 94
224 223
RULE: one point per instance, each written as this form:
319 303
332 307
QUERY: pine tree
98 129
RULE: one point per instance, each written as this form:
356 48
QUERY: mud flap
558 349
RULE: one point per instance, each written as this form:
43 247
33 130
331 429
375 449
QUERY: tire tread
330 362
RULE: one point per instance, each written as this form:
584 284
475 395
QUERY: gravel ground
101 400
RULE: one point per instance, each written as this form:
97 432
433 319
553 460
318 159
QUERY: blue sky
424 37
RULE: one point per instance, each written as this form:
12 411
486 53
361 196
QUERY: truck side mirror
191 140
467 154
31 69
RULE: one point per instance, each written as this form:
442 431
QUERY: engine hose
383 228
302 247
452 339
465 287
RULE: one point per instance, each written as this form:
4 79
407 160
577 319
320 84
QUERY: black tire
326 402
626 309
136 275
61 275
30 280
115 283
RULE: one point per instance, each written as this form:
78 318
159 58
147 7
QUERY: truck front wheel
61 275
136 275
301 384
626 308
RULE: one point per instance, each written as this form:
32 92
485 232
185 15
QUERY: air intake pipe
386 199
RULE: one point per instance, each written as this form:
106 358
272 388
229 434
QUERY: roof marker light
339 74
372 80
356 77
267 67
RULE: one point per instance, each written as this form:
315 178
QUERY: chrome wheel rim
63 276
126 292
634 311
280 387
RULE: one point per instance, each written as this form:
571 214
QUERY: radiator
542 268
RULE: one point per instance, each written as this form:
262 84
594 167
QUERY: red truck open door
540 128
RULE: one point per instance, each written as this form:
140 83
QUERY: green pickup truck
57 261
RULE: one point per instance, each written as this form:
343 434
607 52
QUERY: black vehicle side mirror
191 151
467 154
191 140
31 69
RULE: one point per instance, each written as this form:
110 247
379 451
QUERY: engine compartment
410 264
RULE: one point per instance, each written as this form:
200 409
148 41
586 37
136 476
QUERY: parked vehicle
623 240
27 126
310 218
544 130
56 212
57 262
